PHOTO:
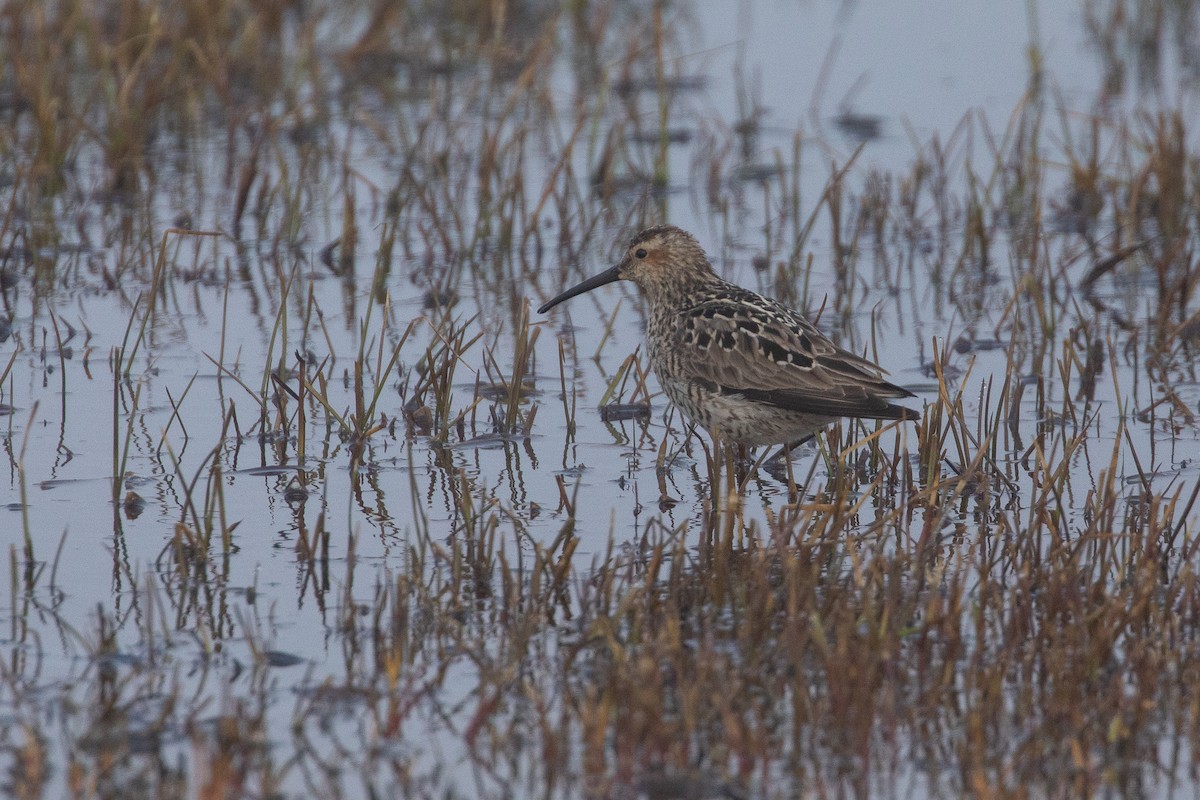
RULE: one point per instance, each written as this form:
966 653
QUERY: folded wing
741 343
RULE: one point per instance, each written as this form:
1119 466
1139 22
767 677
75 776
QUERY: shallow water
136 601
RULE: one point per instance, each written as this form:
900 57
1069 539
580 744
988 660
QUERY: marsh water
304 499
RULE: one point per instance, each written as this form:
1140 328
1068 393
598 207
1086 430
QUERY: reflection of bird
741 366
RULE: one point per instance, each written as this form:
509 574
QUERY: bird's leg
751 470
742 463
791 475
721 474
786 450
714 461
779 465
732 483
689 432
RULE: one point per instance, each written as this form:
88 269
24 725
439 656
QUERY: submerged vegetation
303 499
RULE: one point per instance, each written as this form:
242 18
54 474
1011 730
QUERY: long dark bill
608 276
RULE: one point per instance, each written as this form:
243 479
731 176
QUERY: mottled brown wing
742 343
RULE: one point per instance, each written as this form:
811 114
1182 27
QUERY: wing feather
744 344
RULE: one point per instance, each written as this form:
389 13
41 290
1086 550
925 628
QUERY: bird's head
660 260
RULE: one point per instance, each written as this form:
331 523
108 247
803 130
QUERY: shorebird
743 367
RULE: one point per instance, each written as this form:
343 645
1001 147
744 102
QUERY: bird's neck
680 294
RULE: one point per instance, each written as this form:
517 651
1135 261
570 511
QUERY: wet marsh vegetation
303 500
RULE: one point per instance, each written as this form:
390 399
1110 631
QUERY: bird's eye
640 252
